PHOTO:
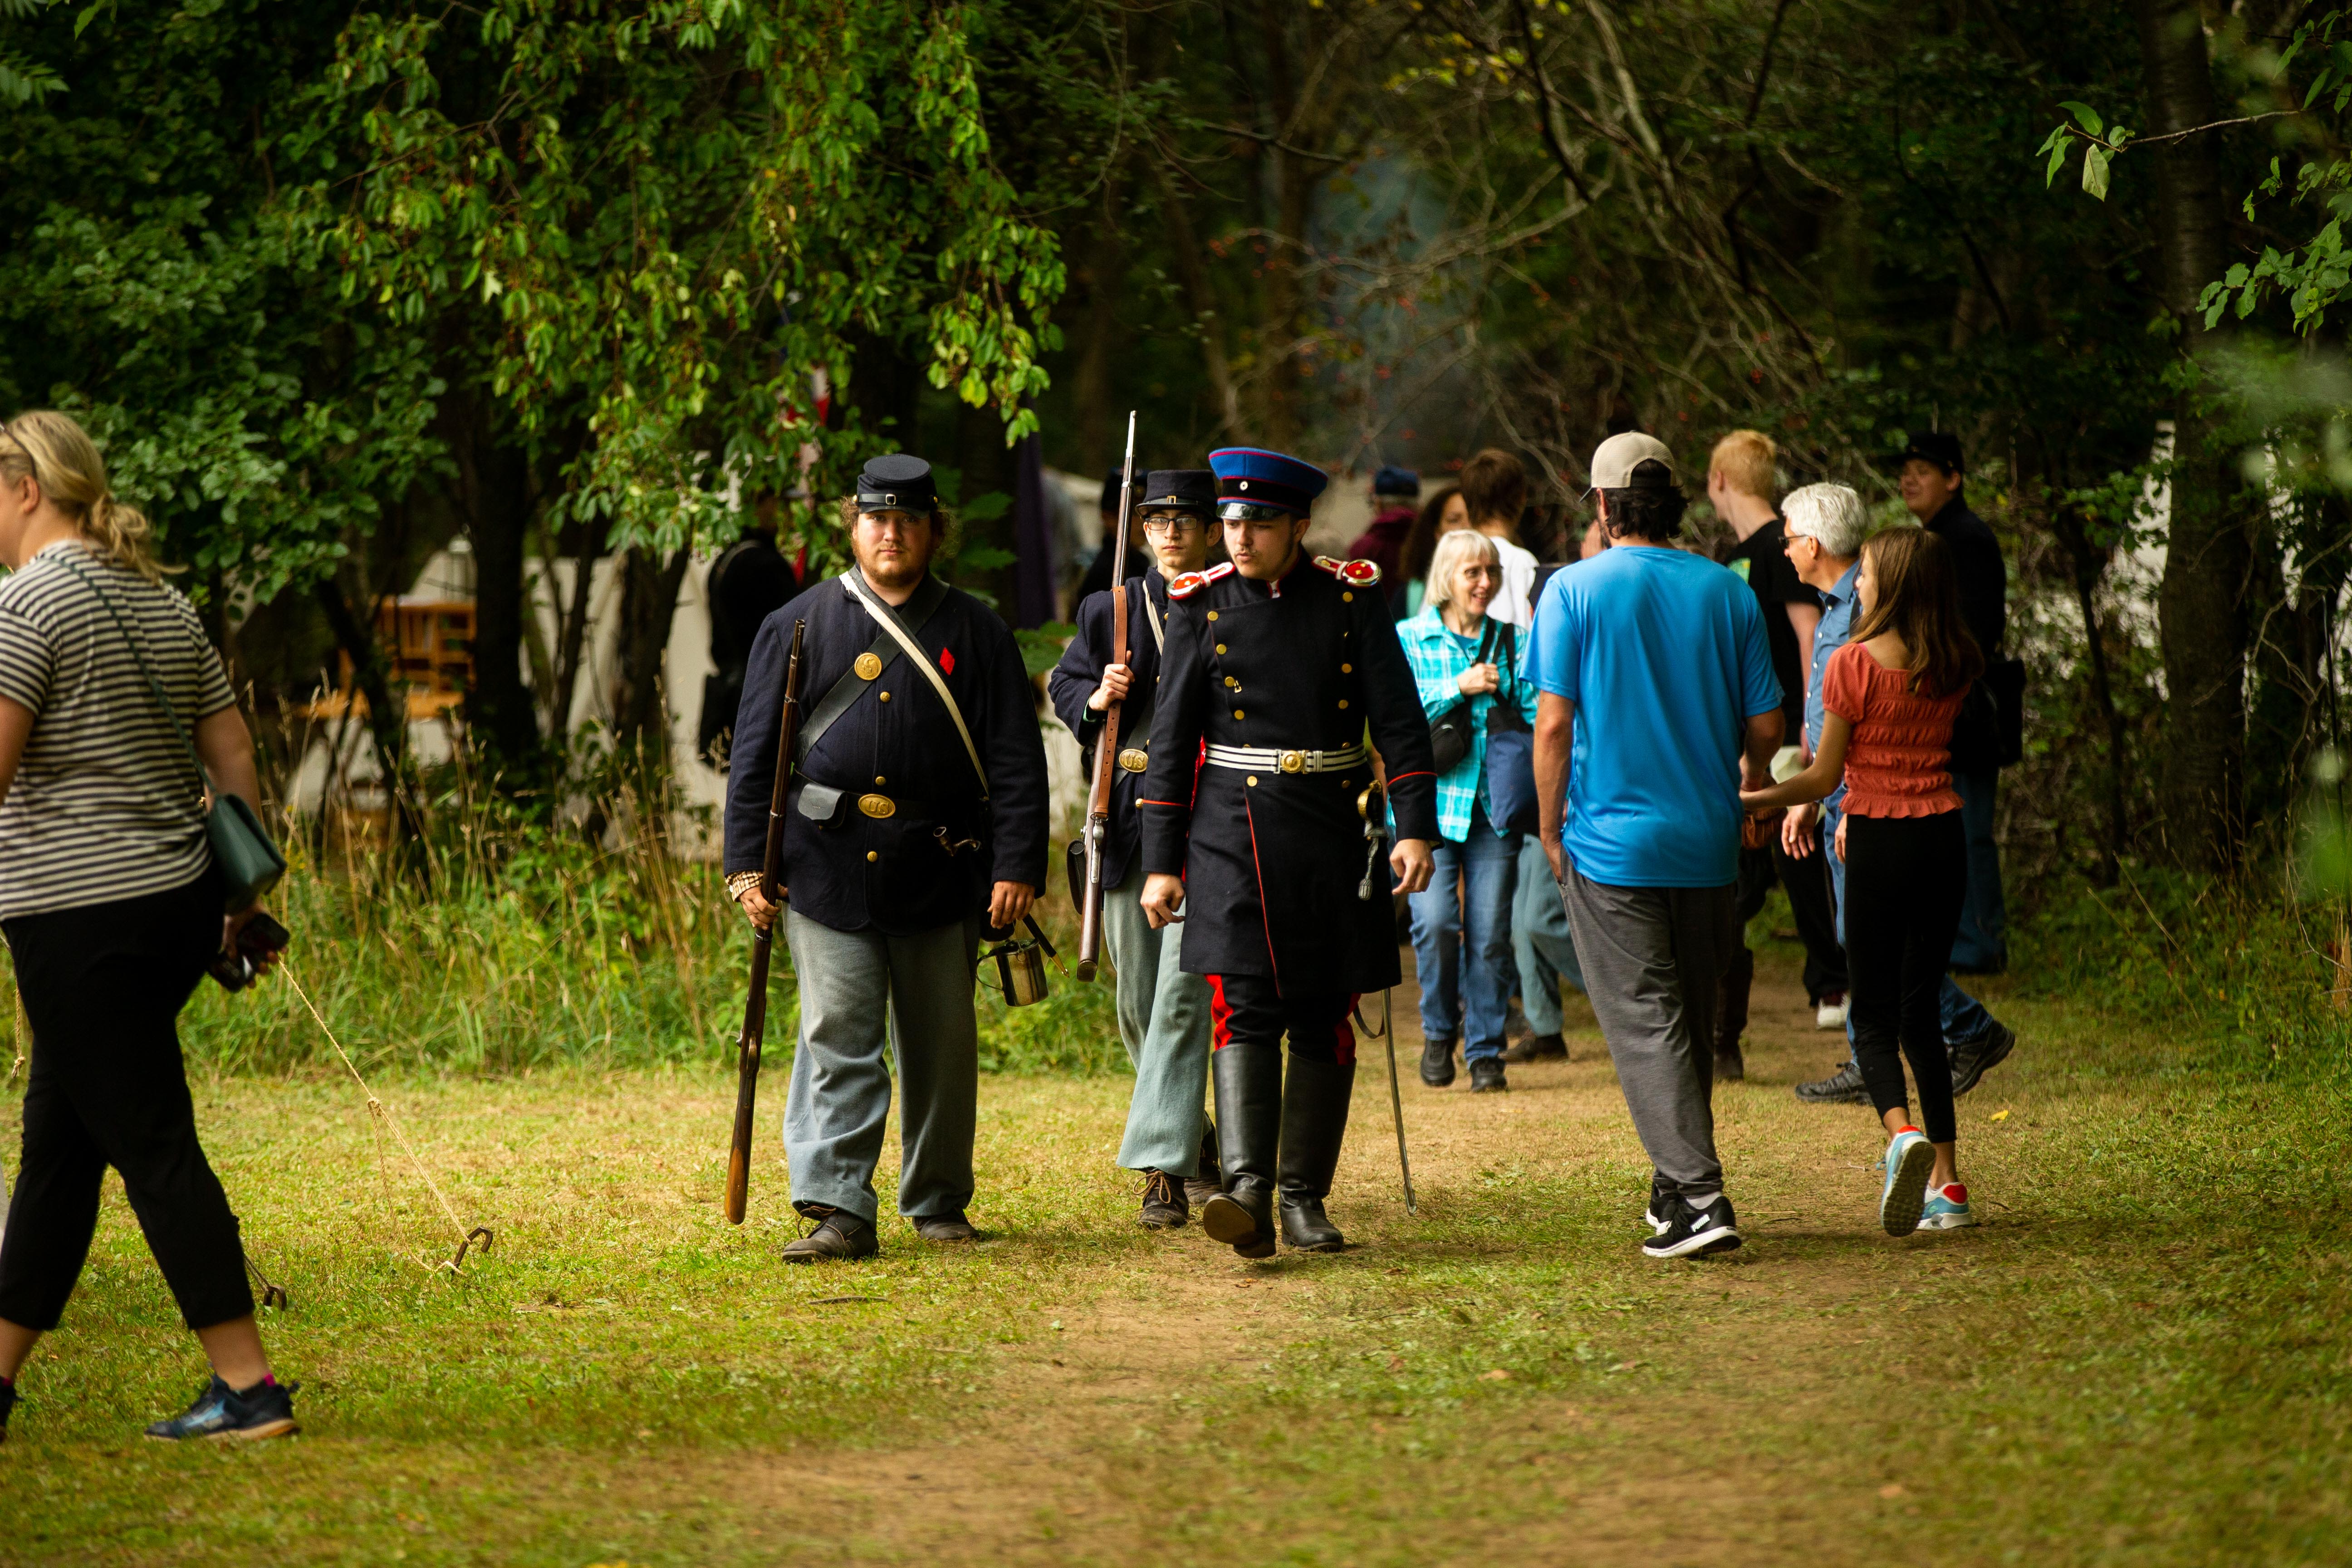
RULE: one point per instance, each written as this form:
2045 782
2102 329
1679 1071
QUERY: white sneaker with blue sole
1910 1159
1948 1208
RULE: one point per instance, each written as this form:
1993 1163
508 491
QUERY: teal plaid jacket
1438 661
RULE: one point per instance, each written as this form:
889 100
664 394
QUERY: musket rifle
1107 744
764 941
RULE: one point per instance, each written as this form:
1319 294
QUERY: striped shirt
107 802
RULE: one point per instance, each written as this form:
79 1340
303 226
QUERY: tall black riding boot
1313 1122
1249 1121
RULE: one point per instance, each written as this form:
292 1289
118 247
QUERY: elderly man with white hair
1825 525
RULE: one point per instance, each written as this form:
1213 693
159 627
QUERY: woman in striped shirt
112 908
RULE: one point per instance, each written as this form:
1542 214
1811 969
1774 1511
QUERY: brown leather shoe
945 1227
839 1236
1537 1048
1164 1206
1206 1180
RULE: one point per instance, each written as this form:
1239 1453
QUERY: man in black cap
1139 559
919 816
1163 1013
1395 494
1277 663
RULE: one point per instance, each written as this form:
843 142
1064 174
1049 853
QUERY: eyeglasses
1170 525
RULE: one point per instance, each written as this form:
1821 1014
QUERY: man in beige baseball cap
1615 460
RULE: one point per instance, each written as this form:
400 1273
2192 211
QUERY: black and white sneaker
1696 1232
1660 1214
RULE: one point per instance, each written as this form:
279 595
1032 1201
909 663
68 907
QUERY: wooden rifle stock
755 1008
1107 744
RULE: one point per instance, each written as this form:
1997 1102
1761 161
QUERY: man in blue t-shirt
1656 702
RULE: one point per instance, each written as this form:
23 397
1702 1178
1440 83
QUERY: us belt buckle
1135 759
1293 762
878 805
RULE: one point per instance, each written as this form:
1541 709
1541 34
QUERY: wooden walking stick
763 943
1098 827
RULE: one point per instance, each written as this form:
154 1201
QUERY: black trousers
1905 879
1248 1009
103 986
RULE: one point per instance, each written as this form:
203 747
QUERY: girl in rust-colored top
1892 693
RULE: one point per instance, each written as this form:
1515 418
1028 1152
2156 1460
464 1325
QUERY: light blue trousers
1541 940
1164 1023
858 988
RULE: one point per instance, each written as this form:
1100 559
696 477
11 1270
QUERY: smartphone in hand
258 938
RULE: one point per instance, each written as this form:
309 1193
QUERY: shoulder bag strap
845 692
65 559
893 626
1158 628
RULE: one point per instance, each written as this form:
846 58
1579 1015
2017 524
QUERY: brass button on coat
868 665
1237 712
883 696
874 855
1220 647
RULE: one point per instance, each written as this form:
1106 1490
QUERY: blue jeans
1965 1017
1982 946
1462 939
1541 940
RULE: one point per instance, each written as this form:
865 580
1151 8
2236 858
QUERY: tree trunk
2202 602
493 495
387 711
2090 564
649 602
1091 386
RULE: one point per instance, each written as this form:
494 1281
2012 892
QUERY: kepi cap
1178 489
1940 447
1614 460
897 481
1392 480
1247 476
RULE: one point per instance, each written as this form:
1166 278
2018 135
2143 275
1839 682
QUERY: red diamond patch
946 661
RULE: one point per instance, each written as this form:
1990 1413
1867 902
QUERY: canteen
1021 966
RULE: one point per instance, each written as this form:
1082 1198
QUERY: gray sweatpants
1164 1019
1651 957
855 987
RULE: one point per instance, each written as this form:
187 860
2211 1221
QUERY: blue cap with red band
1253 478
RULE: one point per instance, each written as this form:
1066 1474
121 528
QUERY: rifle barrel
755 1006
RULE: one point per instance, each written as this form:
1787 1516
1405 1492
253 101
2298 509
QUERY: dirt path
1062 1469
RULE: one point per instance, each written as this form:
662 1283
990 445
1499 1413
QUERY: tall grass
499 941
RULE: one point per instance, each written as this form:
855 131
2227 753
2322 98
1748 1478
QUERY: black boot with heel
1249 1124
1314 1124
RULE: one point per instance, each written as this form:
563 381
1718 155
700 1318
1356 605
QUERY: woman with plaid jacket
1462 660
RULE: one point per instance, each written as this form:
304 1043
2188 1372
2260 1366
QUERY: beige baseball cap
1613 460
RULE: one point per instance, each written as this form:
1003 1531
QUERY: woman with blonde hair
113 909
1464 663
1892 693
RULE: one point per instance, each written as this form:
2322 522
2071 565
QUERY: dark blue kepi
1253 484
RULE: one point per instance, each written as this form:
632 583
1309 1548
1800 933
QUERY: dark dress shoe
1843 1087
265 1410
1487 1077
1242 1220
1971 1060
1307 1228
1437 1063
1537 1048
1730 1066
1164 1206
839 1235
945 1227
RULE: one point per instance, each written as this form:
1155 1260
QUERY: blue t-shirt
1665 654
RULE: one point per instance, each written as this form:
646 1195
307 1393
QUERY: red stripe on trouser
1221 1015
1343 1035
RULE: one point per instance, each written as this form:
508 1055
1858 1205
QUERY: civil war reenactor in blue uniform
1254 807
920 815
1163 1011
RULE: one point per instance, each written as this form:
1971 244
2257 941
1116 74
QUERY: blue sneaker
1909 1160
1948 1208
265 1410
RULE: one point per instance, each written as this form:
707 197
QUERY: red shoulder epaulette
1187 584
1355 574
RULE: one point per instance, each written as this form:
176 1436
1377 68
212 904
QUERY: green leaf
2084 115
2095 170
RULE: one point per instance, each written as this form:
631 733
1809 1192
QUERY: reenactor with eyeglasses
1263 832
1163 1011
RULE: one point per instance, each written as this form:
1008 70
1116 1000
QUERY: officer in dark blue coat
1281 666
1163 1011
919 813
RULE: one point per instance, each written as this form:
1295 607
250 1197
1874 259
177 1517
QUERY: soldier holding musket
1279 663
918 814
1163 1011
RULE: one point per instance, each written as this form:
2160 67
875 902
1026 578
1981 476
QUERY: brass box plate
878 805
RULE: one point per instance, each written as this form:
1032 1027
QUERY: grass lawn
2143 1357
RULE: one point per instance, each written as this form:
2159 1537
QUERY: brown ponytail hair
56 453
1915 593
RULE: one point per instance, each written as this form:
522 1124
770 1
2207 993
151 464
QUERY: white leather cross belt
1275 760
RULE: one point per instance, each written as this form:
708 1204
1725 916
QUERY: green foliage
24 82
